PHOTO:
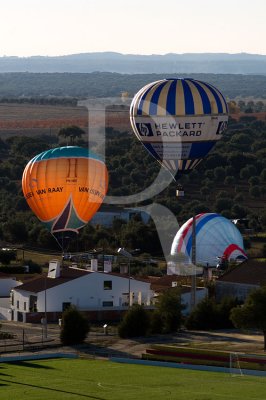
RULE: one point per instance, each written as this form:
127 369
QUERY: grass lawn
104 380
39 258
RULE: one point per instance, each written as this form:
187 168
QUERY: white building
107 215
87 290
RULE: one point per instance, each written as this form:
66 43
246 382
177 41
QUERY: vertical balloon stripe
154 99
198 104
148 97
180 103
221 99
171 99
140 98
205 101
199 226
218 99
210 95
161 106
189 101
187 227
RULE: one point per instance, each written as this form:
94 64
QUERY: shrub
136 322
156 322
169 307
204 315
74 327
210 315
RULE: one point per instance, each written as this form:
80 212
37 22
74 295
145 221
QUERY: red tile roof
252 271
40 283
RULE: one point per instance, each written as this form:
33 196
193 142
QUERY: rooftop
42 282
251 271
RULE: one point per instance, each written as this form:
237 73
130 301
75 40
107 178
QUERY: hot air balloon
178 121
64 187
217 238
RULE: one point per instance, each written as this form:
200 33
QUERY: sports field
105 380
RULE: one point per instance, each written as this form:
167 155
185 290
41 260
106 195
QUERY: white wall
186 299
86 292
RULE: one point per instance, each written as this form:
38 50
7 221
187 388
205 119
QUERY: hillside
231 181
217 63
65 86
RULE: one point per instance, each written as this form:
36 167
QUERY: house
91 291
239 281
107 214
167 282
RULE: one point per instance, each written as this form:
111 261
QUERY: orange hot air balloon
64 187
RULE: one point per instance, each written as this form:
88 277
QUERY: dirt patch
217 340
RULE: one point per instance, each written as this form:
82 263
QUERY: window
25 306
108 304
17 304
107 285
33 304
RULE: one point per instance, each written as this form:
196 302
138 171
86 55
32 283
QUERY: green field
105 380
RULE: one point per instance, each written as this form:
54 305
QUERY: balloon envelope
216 237
179 121
64 187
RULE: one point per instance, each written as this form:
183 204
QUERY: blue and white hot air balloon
216 238
179 121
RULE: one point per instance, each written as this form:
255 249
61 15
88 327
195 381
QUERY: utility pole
193 259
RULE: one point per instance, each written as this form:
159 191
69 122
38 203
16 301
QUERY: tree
219 173
169 307
71 132
136 322
223 204
75 327
251 314
254 191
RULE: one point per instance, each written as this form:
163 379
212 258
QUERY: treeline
108 84
231 181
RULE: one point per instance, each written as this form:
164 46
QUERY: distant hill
22 85
217 63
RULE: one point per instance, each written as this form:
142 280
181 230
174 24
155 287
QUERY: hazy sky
56 27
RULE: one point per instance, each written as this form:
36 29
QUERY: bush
169 307
75 327
156 322
223 312
209 315
33 267
136 322
223 204
204 315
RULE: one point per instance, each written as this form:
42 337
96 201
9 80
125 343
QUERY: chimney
54 269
